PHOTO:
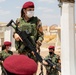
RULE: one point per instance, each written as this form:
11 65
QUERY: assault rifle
26 41
50 63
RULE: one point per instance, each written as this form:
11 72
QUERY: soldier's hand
39 43
1 62
54 67
45 63
17 37
32 53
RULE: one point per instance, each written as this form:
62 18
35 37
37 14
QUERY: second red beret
51 47
7 43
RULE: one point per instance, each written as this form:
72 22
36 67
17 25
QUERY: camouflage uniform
33 28
6 54
54 59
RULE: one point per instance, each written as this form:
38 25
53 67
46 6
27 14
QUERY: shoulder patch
18 21
40 29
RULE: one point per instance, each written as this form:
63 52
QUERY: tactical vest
30 27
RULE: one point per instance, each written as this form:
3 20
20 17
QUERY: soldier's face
28 9
29 12
51 51
7 47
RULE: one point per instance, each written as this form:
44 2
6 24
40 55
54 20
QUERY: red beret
51 47
20 65
7 43
28 4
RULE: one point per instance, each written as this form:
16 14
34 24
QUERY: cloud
3 12
44 9
49 1
2 0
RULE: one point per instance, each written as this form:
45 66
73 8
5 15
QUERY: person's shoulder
48 56
3 52
36 18
57 56
10 52
19 19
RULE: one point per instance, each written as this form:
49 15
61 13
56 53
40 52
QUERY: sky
46 10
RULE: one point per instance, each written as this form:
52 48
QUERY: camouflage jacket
54 59
5 54
32 27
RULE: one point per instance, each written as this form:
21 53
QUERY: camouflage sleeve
5 55
19 45
58 58
40 31
47 57
21 49
17 23
58 61
0 56
16 44
10 52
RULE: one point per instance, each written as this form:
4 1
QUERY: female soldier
33 27
5 53
5 50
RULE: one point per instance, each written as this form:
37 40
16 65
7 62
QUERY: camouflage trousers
52 73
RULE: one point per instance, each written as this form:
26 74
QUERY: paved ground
44 52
